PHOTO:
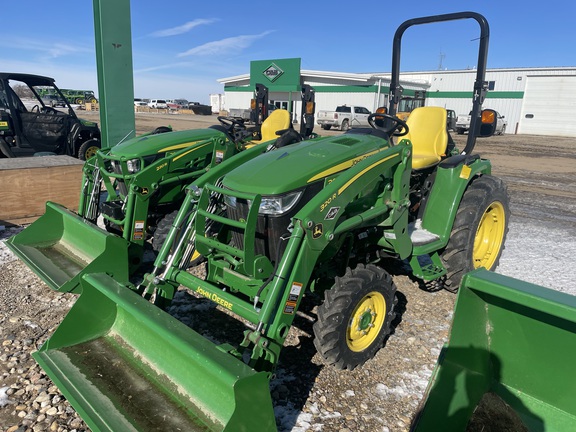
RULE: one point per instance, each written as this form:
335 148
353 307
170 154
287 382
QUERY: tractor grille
117 169
269 228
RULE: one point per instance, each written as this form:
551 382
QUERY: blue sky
181 47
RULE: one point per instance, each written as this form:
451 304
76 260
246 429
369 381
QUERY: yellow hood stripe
178 146
189 151
364 171
344 165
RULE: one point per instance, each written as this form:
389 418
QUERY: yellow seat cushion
277 120
427 132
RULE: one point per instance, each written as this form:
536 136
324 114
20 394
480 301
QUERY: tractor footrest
427 267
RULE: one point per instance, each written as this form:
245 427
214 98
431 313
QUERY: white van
158 103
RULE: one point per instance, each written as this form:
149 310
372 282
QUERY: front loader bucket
60 246
126 365
509 364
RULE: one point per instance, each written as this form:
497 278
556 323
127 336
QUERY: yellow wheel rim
91 151
489 236
366 322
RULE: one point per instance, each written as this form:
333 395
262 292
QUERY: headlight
277 205
133 165
271 205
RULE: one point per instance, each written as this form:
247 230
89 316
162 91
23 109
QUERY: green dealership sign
273 72
278 74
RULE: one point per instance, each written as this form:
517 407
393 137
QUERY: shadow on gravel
400 309
297 372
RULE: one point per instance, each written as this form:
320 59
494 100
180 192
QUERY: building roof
374 76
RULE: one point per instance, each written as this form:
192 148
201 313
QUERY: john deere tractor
135 189
273 223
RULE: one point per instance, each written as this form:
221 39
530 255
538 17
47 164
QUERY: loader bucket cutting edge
60 246
126 365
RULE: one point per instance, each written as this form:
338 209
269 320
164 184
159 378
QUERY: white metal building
539 101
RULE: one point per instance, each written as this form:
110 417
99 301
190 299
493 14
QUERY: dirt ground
382 395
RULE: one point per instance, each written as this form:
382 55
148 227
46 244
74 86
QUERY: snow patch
4 397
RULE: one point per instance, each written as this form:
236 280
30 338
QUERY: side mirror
380 121
488 123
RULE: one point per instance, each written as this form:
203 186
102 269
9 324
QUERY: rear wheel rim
366 321
489 236
91 151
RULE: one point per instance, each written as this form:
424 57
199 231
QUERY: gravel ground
383 395
307 396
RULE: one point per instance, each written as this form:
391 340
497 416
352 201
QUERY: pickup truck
243 113
344 118
246 113
463 124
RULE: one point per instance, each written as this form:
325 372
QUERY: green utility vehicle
29 123
276 222
73 96
135 189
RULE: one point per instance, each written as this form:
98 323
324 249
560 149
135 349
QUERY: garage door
549 106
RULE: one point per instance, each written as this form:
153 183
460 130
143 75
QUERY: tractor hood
297 165
152 144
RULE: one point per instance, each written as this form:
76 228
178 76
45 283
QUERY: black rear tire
345 125
326 127
355 317
479 230
161 129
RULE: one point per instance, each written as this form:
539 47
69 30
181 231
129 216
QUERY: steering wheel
231 123
35 108
50 110
235 127
398 127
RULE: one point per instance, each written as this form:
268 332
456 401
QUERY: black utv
30 126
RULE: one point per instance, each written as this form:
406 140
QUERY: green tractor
322 216
135 189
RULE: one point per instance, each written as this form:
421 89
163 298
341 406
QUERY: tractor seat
427 132
277 120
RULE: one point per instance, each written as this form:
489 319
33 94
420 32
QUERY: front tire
355 317
479 230
88 149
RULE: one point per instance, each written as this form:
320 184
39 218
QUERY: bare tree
23 91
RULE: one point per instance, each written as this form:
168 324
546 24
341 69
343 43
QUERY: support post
115 75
